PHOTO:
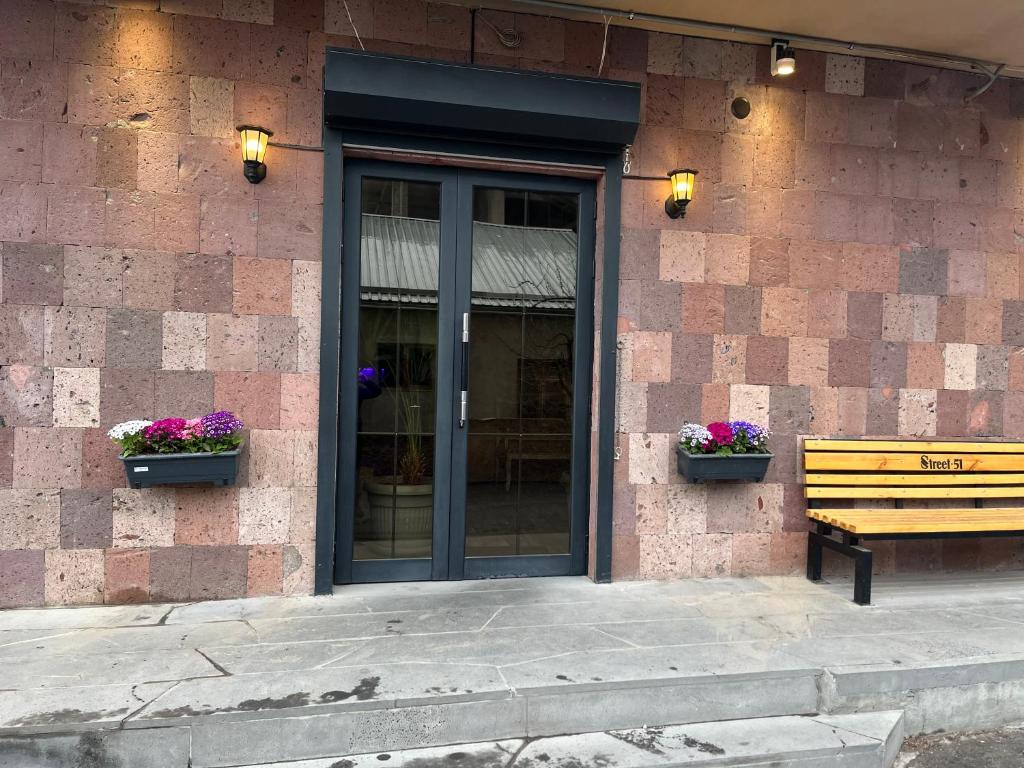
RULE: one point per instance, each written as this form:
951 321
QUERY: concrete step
847 741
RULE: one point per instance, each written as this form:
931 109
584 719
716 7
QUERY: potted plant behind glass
735 450
409 495
172 451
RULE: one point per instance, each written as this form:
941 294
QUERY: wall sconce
682 192
783 58
254 150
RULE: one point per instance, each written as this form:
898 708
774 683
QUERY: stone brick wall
849 266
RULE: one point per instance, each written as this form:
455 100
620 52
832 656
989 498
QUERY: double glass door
467 311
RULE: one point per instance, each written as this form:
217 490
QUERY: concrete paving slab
73 709
294 694
33 671
591 612
490 754
696 631
489 646
105 641
280 657
81 617
242 742
155 748
265 608
370 625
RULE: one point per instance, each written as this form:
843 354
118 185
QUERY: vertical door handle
464 394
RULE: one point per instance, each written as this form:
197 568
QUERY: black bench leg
813 556
862 576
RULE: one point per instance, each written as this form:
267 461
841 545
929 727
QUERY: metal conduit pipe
711 26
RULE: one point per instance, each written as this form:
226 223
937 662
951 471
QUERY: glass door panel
520 372
397 369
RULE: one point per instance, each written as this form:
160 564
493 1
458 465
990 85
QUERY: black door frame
448 559
338 141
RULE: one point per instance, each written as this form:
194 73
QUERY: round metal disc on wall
740 107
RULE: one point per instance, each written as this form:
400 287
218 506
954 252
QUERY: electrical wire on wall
604 45
353 25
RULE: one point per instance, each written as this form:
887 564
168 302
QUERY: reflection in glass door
397 368
464 393
523 313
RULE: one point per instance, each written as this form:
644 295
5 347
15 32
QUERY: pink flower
165 429
193 428
721 432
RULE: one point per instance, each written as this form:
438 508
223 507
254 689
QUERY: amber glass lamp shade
254 151
683 181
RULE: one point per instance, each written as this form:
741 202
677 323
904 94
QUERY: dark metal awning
373 91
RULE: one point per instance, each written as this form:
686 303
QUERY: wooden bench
963 475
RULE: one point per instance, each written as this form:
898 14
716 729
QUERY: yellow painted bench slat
922 523
907 462
912 446
918 479
1005 492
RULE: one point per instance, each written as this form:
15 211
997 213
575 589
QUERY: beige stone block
74 576
664 54
682 256
745 508
76 397
648 457
825 410
727 259
687 508
651 509
632 406
47 457
271 458
751 553
808 361
729 362
749 402
712 555
212 107
264 515
961 365
651 356
305 457
306 290
308 357
143 518
302 525
297 561
844 74
666 556
30 519
918 412
232 342
184 340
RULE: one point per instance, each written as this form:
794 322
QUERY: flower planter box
144 471
698 468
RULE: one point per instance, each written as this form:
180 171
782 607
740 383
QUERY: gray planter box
744 466
174 468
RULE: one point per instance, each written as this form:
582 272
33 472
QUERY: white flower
125 428
694 435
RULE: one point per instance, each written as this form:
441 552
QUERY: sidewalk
388 667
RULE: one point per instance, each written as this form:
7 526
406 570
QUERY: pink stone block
652 356
666 556
299 400
262 286
227 225
126 574
289 231
31 519
23 212
254 397
231 343
271 458
76 215
21 151
265 570
92 94
206 516
712 555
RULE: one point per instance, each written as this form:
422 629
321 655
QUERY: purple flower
220 424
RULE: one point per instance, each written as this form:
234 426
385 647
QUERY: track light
783 59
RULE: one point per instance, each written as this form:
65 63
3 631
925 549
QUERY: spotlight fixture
254 150
783 59
682 192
